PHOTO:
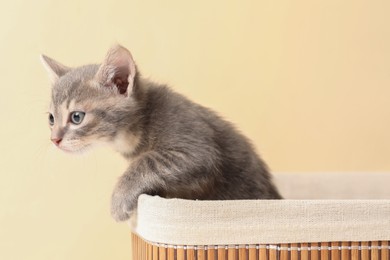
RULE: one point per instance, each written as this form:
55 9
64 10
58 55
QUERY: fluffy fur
175 148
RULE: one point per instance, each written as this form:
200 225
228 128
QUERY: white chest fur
125 143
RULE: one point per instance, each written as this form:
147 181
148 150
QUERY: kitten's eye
51 119
77 117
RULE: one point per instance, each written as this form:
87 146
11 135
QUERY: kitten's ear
54 68
118 70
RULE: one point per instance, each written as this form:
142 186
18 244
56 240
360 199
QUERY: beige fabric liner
185 222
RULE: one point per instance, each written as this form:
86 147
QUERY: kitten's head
91 104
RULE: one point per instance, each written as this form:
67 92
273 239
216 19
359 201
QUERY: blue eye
51 119
77 117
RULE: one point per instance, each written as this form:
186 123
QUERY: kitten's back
229 161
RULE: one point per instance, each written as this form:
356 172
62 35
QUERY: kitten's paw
119 215
122 205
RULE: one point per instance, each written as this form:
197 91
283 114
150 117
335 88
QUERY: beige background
307 81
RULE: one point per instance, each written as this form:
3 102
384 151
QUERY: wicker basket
358 229
375 250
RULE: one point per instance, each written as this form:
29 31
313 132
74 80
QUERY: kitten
175 148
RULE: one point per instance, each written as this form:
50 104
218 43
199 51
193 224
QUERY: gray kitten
175 148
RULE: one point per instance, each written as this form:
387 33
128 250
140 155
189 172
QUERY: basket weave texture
375 250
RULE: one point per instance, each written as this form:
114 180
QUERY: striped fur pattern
175 148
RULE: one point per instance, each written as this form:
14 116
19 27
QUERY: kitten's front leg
157 173
138 179
124 197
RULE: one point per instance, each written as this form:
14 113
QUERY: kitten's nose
56 141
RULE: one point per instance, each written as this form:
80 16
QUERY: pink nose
56 141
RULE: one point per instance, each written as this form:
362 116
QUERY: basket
347 224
